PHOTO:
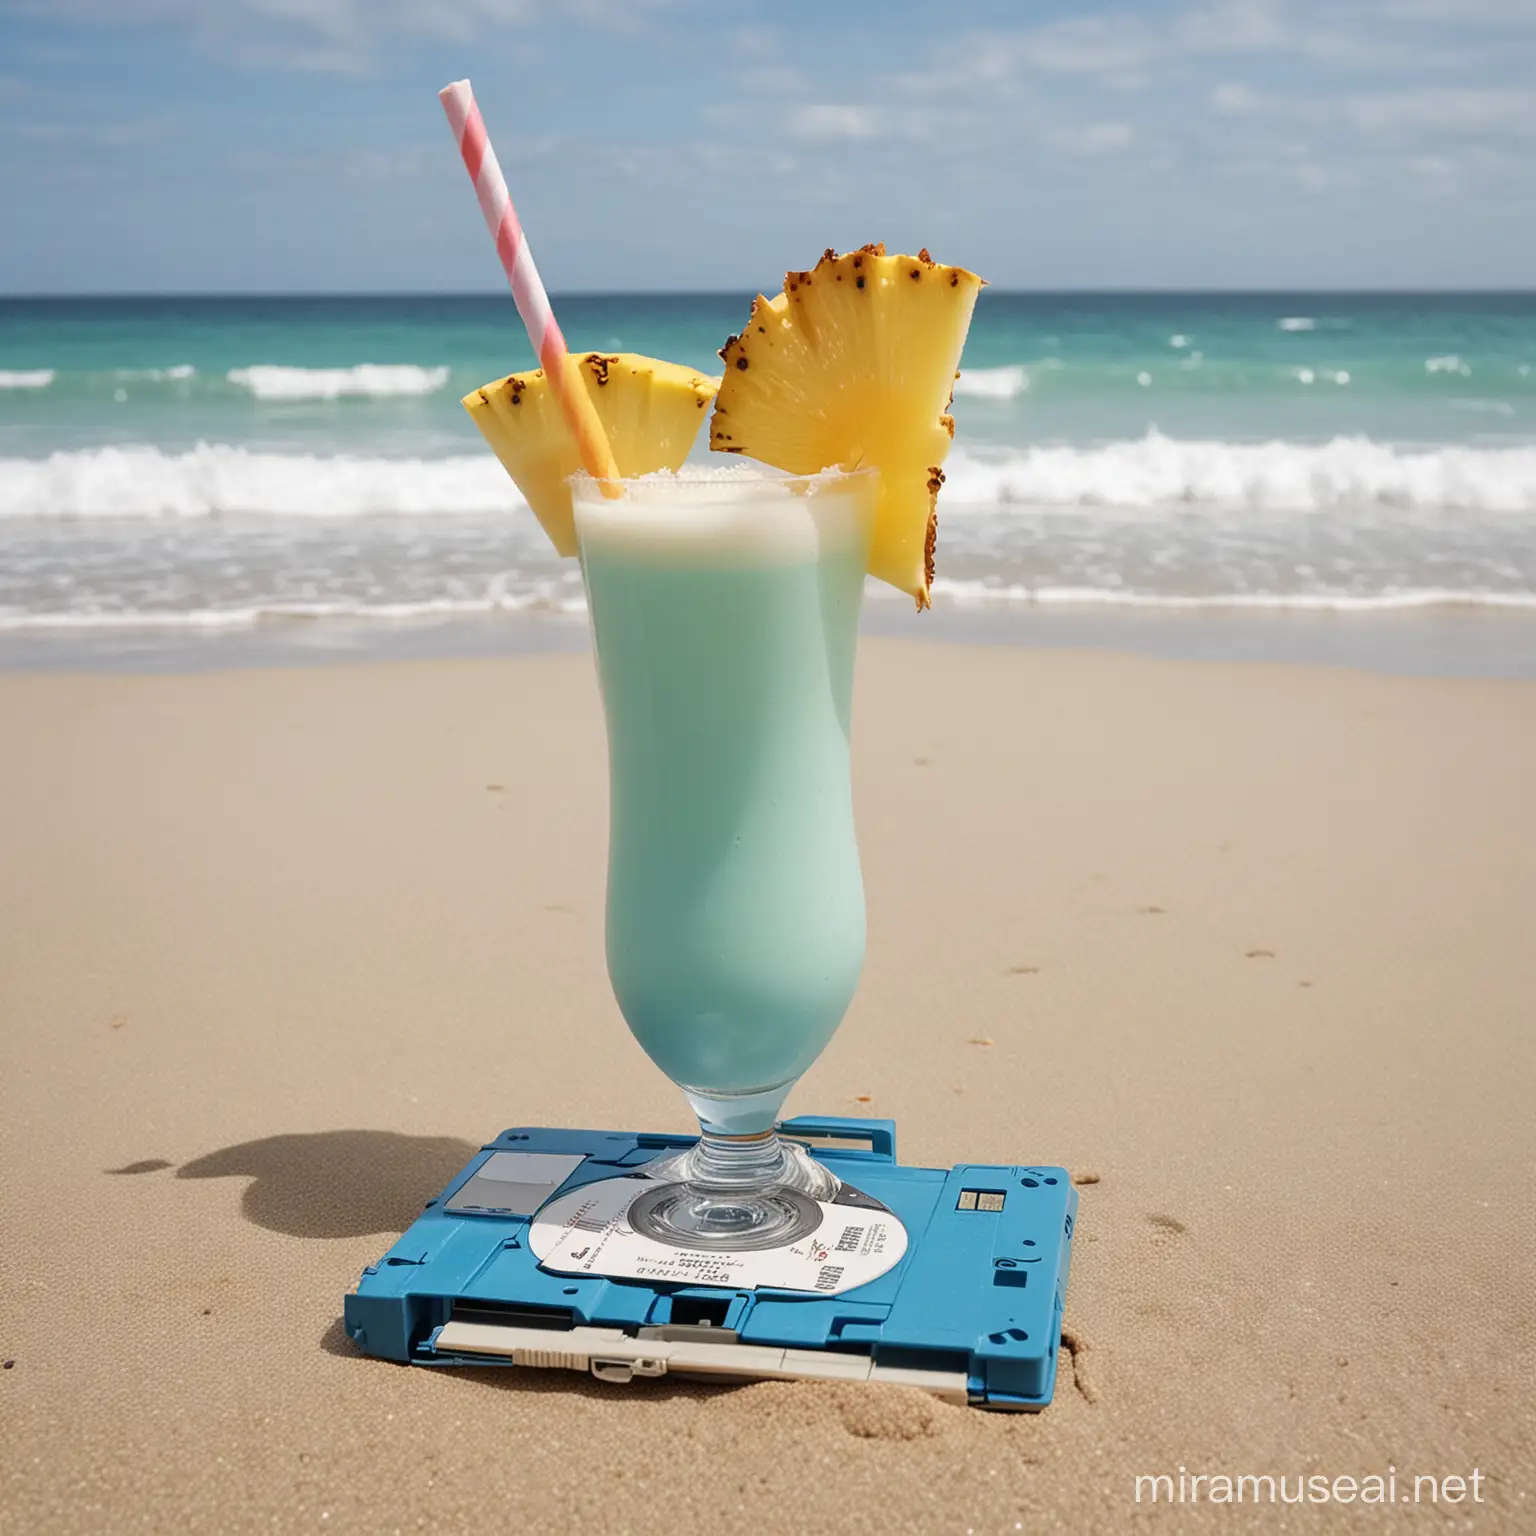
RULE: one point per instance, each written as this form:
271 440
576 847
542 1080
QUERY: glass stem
737 1162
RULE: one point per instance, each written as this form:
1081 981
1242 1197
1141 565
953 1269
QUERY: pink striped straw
528 292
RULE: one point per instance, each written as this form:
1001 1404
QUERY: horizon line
996 289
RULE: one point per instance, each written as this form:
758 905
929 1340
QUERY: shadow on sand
354 1183
336 1183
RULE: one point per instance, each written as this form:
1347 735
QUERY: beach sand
1247 947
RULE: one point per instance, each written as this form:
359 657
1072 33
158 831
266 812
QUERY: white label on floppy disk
586 1233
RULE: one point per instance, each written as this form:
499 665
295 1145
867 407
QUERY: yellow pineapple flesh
650 410
853 365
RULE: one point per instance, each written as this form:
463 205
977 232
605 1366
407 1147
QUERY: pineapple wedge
650 410
853 364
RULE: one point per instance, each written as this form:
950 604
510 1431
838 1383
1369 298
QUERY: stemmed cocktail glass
725 611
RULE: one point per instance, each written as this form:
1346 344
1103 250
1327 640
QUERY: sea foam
969 594
26 378
992 383
537 598
549 599
159 375
270 381
216 479
1150 472
1158 471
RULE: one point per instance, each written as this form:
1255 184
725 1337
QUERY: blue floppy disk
970 1310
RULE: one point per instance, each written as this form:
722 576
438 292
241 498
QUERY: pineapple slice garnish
650 409
853 365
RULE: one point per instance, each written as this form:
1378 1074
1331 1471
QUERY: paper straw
527 289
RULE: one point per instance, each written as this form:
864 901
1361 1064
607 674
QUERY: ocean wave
216 479
1300 477
158 375
1450 363
1150 472
980 593
26 378
992 383
1296 323
547 599
541 600
269 381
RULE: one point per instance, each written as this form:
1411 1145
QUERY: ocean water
221 464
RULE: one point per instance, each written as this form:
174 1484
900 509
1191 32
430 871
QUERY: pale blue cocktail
725 612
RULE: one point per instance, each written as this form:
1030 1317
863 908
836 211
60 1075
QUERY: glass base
734 1193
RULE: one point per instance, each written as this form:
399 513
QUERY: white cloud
1436 111
1436 175
1232 100
1236 100
679 171
1120 45
1319 176
755 42
1237 26
338 36
1291 165
1517 15
783 79
830 122
1091 139
1124 49
1087 45
1468 112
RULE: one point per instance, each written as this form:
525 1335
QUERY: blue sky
281 145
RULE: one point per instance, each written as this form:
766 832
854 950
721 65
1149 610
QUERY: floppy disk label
586 1233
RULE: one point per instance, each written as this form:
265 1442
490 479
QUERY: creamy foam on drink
726 512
